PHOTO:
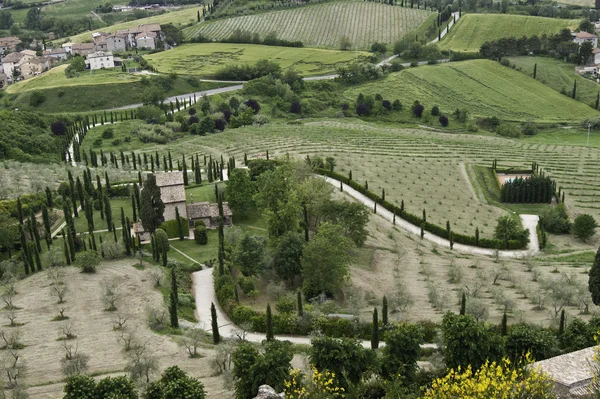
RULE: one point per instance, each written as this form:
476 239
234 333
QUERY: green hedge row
170 227
418 221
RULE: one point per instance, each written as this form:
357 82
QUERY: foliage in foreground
502 380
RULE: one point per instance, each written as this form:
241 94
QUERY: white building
582 37
100 60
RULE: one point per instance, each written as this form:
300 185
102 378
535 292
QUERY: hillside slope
483 87
472 30
323 25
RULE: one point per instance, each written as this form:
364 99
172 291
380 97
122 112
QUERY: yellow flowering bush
320 386
501 380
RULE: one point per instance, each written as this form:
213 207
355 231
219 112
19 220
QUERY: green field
56 78
472 30
207 58
484 88
89 92
559 76
323 25
180 17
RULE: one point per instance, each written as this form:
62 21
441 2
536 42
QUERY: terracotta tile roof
169 179
146 34
200 210
585 35
13 57
83 46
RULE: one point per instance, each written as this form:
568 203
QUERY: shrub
59 128
162 240
87 261
170 227
36 98
443 120
108 133
286 304
296 108
247 284
116 142
397 105
362 110
387 105
417 109
200 235
251 103
488 123
435 110
584 226
97 143
506 130
555 220
259 120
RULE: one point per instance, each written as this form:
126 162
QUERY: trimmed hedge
170 227
418 221
200 235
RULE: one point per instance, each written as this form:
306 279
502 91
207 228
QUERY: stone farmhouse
172 193
573 373
143 37
25 64
8 44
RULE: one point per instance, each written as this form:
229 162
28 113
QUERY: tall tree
173 298
179 224
47 227
299 304
214 324
240 191
270 335
463 304
107 212
36 231
384 311
534 70
594 279
151 205
375 331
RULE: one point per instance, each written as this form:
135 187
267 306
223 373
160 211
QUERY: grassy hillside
56 78
559 76
323 25
484 88
207 58
472 30
180 17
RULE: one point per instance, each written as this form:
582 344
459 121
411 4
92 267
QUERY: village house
145 36
100 60
82 49
172 193
8 44
57 53
12 62
582 37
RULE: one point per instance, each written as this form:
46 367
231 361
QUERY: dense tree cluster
532 190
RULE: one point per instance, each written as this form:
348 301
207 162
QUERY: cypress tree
375 331
424 216
36 232
24 248
349 176
20 210
185 175
504 325
49 201
384 311
383 194
108 212
561 326
270 335
451 239
133 208
477 236
574 89
463 304
299 304
394 218
401 207
173 297
114 230
214 324
71 242
366 185
448 227
534 70
422 230
170 161
179 225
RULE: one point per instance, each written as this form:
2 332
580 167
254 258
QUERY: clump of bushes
200 235
555 220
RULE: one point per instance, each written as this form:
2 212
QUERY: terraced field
207 58
323 25
423 168
483 87
472 30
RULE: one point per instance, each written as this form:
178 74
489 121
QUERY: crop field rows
323 25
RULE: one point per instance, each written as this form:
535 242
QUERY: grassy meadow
207 58
483 87
559 76
472 30
323 25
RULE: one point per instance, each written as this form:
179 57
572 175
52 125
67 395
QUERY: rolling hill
483 87
322 25
472 30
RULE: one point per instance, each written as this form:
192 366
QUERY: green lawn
559 76
565 137
105 90
203 193
99 224
323 25
483 87
206 59
472 30
201 253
